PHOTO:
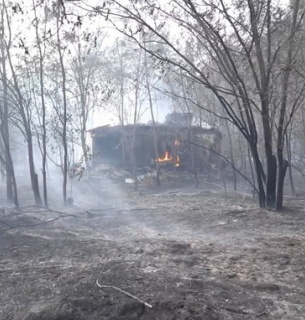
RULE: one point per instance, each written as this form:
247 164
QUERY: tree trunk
263 87
288 146
84 112
134 158
9 165
43 111
33 174
64 118
259 176
44 129
26 121
28 137
283 164
121 112
5 127
152 119
232 156
193 164
135 117
280 184
13 180
44 161
271 181
84 145
252 171
270 158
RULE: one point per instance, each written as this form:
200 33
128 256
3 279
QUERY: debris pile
118 175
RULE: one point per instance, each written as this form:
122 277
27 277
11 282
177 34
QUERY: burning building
185 148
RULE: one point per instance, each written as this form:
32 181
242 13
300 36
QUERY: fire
167 157
170 158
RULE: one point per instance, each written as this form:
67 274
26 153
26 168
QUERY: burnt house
185 148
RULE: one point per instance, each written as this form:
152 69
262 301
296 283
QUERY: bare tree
23 112
63 116
283 122
150 101
11 186
86 83
41 45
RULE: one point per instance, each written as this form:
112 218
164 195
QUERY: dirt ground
188 253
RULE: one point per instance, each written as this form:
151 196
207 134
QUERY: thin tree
64 118
151 108
9 168
41 50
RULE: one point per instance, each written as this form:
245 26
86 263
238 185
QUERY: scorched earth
183 254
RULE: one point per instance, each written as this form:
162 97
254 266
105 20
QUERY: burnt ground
191 254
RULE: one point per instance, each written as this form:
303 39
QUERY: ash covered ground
189 253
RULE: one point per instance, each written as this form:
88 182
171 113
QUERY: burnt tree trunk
231 156
194 166
64 116
26 122
33 174
44 138
152 119
288 146
271 181
84 109
122 109
263 86
252 171
9 165
271 163
14 183
283 164
134 158
5 126
260 176
135 120
13 180
43 111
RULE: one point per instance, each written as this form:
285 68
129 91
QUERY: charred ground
190 254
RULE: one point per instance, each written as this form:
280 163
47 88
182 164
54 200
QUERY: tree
86 82
63 114
7 162
151 108
41 45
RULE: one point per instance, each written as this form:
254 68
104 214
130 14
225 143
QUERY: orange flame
167 157
175 160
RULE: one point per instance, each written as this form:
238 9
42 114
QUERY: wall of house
193 147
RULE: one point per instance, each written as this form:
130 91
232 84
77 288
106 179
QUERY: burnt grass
190 254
